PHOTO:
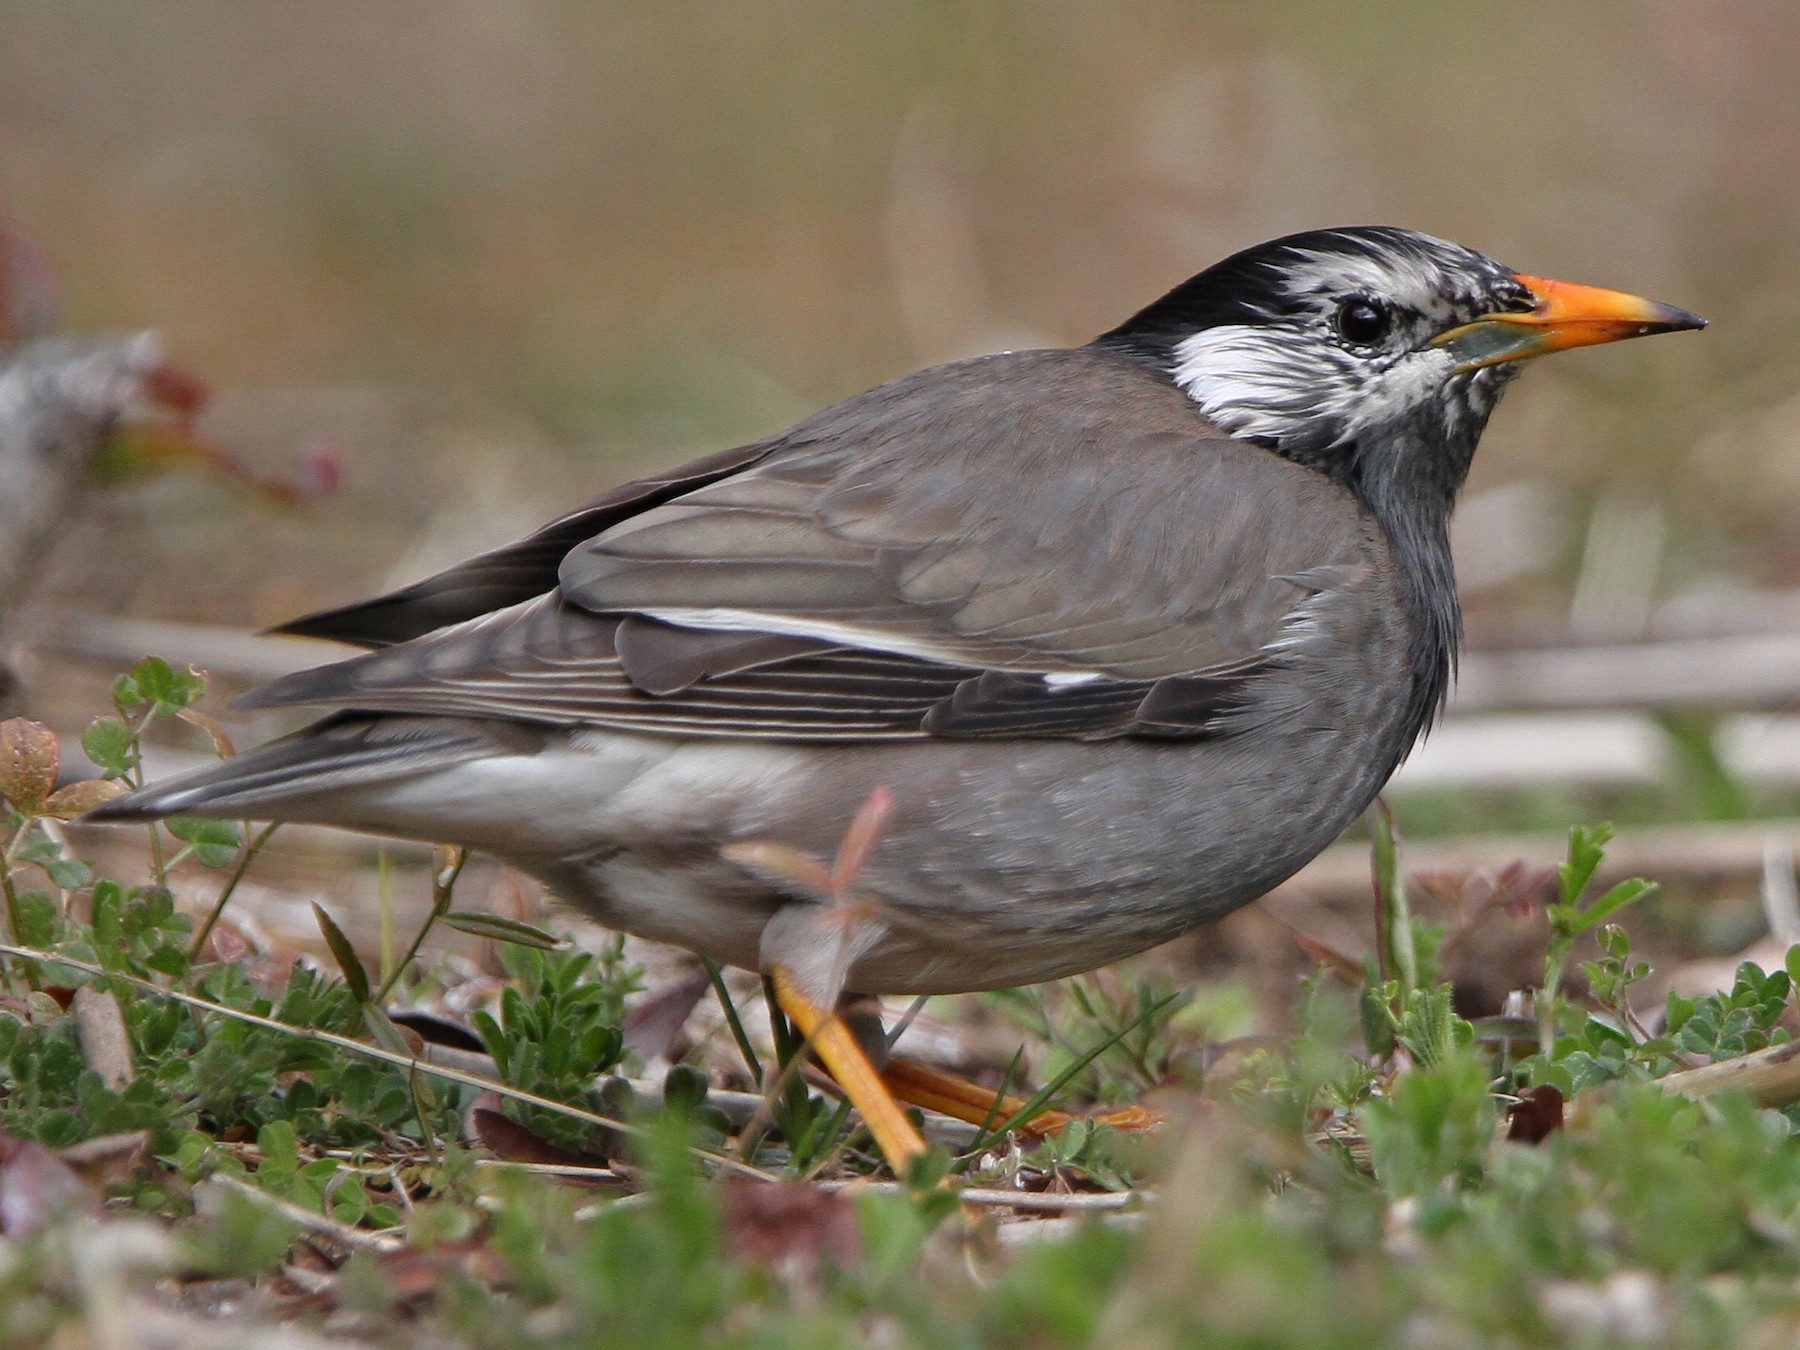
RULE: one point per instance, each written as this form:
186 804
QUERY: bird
1124 634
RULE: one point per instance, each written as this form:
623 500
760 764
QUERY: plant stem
751 1061
15 920
245 858
1399 958
443 885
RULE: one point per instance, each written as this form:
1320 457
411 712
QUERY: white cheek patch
1248 381
1257 381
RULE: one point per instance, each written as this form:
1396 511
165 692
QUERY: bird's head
1374 355
1344 348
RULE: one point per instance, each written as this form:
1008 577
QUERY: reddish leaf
505 1138
1520 887
228 945
861 837
782 866
321 472
77 799
1536 1116
1342 967
174 389
28 760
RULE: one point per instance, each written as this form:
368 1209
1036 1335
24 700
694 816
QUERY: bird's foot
844 1059
958 1098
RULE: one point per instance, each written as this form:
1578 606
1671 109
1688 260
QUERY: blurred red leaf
37 1187
1536 1116
1343 968
789 1226
173 388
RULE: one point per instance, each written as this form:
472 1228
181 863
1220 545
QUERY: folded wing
978 550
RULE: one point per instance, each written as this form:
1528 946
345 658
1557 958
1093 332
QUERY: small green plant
559 1030
1573 917
1353 1184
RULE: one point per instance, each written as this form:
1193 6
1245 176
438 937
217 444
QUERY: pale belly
995 869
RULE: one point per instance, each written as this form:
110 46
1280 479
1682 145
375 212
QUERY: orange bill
1565 315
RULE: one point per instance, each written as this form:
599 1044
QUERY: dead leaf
105 1044
215 730
108 1160
414 1273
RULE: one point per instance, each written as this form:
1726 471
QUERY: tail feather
333 756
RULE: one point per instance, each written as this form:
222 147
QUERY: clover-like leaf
77 799
215 842
28 760
107 741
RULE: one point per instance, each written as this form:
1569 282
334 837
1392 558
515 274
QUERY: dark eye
1363 322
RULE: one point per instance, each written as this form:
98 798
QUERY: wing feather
973 551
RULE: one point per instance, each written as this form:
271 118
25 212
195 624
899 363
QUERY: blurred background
487 259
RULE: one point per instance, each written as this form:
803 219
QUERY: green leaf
71 874
491 1036
685 1088
153 680
215 842
125 693
107 906
1398 941
1621 895
37 914
502 930
107 742
279 1144
347 961
1587 850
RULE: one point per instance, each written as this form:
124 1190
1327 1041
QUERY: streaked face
1342 337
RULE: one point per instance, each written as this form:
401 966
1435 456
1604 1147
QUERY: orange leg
843 1058
960 1099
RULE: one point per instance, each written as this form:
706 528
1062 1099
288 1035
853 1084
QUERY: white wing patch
802 626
